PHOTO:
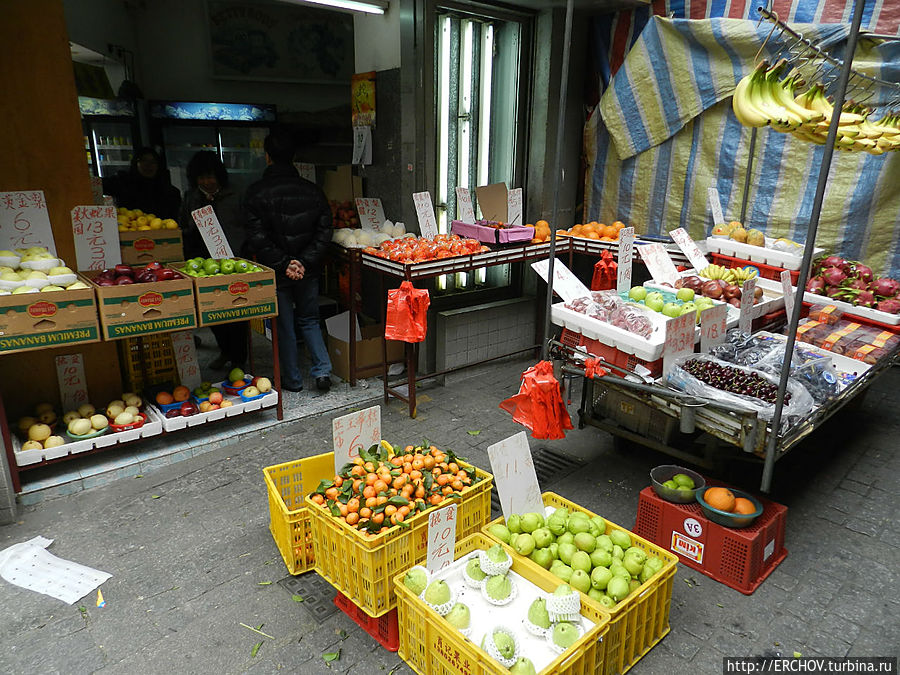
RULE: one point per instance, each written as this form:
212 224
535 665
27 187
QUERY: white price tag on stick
626 256
441 538
658 263
514 207
715 205
352 433
425 214
679 339
788 290
371 212
712 327
745 319
25 221
689 247
565 284
186 358
96 233
515 477
306 170
72 383
97 189
212 233
464 209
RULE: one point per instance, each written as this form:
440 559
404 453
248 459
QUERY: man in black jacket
288 224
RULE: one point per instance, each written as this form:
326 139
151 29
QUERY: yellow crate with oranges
370 521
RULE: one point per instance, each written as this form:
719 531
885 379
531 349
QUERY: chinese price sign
788 290
715 205
626 255
441 538
565 284
186 358
306 170
689 247
712 327
746 317
659 264
425 214
97 189
212 233
371 212
357 431
679 339
514 207
25 221
464 209
96 234
72 383
514 476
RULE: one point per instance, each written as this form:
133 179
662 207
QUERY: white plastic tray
851 311
239 407
648 349
759 254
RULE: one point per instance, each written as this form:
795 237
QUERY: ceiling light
367 6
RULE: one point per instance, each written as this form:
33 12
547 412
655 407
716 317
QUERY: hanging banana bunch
766 98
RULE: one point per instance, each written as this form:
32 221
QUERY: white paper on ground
29 565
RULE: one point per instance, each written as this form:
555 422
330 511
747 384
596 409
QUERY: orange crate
383 629
639 621
432 647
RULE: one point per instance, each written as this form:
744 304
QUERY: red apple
215 398
155 265
123 281
124 270
174 412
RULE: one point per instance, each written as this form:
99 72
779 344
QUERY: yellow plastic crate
361 566
639 621
287 485
147 360
432 647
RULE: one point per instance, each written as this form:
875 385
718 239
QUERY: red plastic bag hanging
539 405
407 310
605 272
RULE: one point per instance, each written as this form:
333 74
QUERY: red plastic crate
765 271
739 558
384 629
609 354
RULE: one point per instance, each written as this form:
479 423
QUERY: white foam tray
485 616
852 311
239 407
648 349
773 297
759 254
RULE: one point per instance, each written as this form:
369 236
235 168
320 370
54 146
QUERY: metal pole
560 131
749 174
810 243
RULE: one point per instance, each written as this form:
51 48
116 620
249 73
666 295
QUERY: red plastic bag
539 406
407 310
605 272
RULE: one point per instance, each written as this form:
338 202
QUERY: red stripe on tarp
620 40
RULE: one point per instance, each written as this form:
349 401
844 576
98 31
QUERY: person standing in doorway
145 186
209 184
288 223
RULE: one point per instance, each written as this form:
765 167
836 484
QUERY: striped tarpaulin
665 132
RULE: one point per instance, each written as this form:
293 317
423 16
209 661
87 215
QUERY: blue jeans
298 312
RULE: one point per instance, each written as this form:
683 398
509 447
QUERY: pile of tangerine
374 492
724 500
595 230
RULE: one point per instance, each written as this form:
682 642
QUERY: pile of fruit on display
29 270
182 402
135 220
413 250
216 267
684 301
594 230
382 488
541 232
773 97
722 284
177 403
841 336
37 431
579 551
734 380
343 214
122 274
362 237
854 283
608 307
724 499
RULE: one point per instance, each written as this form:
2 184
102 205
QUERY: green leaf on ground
264 583
797 655
474 432
255 649
331 656
297 598
154 496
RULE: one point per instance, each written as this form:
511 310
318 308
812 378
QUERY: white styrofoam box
732 313
759 254
648 349
851 311
26 457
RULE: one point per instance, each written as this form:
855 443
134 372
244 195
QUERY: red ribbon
592 368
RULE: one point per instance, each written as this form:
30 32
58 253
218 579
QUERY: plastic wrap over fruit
607 306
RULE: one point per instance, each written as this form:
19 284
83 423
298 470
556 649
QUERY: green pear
522 666
513 536
514 524
619 570
634 560
618 588
600 525
594 594
617 552
416 580
581 561
578 522
543 537
473 569
600 578
607 601
563 590
585 542
531 522
459 616
601 558
562 571
542 557
500 531
504 644
605 543
564 634
554 550
580 581
498 587
524 544
566 551
437 592
566 538
537 613
620 538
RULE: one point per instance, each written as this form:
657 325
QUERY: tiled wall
465 336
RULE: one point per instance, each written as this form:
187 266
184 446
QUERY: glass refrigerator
234 131
110 134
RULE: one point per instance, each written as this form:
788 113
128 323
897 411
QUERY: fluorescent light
368 6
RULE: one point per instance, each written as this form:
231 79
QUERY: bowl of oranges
728 507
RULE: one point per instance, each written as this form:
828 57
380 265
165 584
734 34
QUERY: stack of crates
147 360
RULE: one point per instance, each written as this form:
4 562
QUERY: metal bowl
661 474
736 520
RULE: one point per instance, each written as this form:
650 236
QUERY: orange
719 498
744 506
618 225
164 398
181 393
592 235
542 223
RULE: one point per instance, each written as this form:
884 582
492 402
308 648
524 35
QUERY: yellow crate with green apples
641 618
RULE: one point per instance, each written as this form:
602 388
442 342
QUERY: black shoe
218 363
323 383
291 388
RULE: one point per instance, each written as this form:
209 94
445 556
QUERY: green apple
637 293
685 294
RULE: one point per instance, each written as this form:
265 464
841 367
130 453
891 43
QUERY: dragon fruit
866 299
833 276
863 272
859 285
815 285
885 287
891 306
834 261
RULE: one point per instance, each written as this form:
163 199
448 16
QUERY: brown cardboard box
235 297
42 320
138 309
368 352
341 185
140 248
